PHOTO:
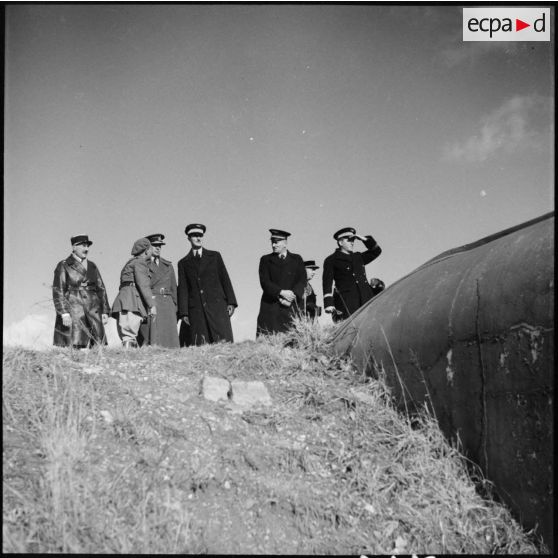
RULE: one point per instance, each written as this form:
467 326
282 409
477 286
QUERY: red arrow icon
519 25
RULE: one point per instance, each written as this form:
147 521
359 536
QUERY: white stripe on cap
345 235
195 231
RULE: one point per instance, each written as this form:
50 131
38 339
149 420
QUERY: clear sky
124 120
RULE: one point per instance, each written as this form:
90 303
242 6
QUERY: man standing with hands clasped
283 278
345 268
206 298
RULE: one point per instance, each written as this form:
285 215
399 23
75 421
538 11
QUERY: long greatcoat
347 271
138 297
204 292
82 294
162 330
277 275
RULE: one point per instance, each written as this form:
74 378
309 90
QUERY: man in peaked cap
283 278
161 330
80 299
309 307
134 301
206 299
345 269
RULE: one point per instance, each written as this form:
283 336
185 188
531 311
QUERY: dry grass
108 451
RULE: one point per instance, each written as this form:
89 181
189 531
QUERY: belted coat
161 329
135 289
347 272
204 293
278 274
81 293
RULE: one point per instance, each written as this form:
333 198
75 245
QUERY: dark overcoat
82 294
309 307
277 275
161 329
135 288
204 293
347 272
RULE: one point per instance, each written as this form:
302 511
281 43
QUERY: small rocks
400 546
250 503
92 370
215 389
250 394
363 397
243 395
107 417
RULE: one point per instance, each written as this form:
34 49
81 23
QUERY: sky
124 120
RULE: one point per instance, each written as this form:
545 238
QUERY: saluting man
345 268
283 278
161 330
80 299
206 299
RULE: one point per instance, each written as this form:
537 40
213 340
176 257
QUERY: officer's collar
341 253
78 259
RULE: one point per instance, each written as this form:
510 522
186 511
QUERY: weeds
107 451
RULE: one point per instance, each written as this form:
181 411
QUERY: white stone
107 416
215 389
250 394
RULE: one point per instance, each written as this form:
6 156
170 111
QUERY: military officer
345 269
206 299
80 299
134 301
309 307
161 330
283 278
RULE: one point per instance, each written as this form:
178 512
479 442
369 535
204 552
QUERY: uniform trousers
128 325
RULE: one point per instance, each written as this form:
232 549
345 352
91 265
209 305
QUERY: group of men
150 300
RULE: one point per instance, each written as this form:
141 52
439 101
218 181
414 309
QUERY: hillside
114 451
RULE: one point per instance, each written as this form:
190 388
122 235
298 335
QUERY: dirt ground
153 466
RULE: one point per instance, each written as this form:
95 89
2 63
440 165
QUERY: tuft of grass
114 451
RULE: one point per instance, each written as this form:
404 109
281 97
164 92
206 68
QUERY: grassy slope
113 451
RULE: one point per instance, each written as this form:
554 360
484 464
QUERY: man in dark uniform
80 299
345 268
161 330
283 278
309 307
206 299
